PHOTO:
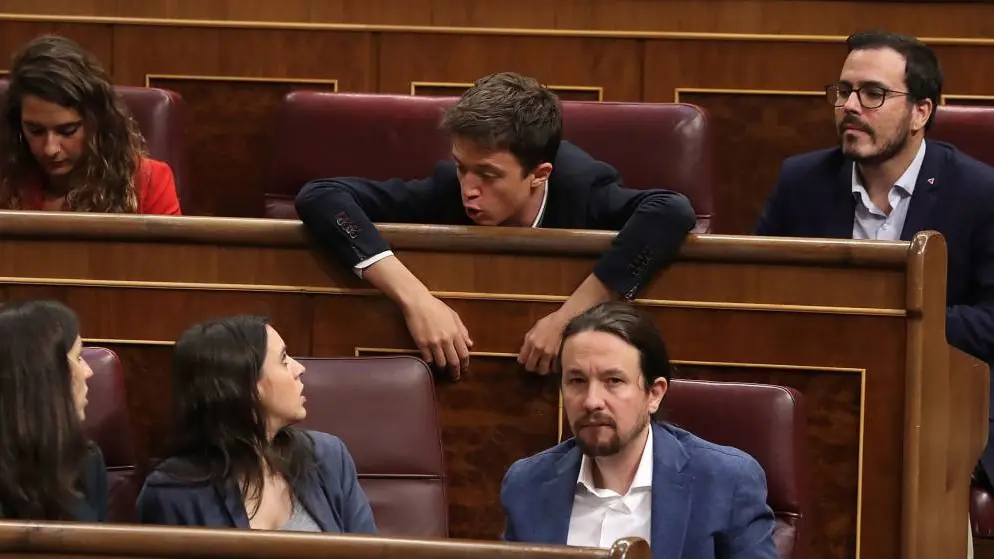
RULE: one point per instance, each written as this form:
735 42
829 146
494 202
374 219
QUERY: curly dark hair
59 71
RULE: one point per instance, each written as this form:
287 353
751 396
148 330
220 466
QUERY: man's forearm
394 280
590 293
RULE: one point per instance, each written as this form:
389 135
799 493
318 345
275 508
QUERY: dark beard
889 150
613 445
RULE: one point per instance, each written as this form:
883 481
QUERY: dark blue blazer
954 195
92 505
708 501
333 496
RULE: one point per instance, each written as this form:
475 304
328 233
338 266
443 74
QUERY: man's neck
529 213
880 177
617 472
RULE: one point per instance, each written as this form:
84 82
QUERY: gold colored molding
456 30
555 88
965 97
116 341
721 91
240 79
451 295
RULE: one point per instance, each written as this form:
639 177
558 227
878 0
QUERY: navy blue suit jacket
583 194
954 195
333 496
708 501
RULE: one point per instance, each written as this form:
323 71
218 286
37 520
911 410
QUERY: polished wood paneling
611 64
71 540
971 100
754 132
231 158
233 83
119 272
934 19
95 38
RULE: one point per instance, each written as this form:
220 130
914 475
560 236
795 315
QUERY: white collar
643 475
541 209
905 182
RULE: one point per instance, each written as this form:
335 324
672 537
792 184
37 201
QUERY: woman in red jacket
67 142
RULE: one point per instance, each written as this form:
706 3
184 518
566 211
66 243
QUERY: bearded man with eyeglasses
885 181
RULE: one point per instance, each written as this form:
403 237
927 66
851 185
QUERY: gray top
300 520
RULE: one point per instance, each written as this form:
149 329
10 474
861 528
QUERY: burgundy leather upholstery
107 425
397 136
384 409
968 128
160 115
981 511
768 423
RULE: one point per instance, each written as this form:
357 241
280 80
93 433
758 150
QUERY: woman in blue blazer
236 461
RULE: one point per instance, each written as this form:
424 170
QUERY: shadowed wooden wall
756 65
798 315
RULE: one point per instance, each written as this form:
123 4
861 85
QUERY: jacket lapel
318 502
926 192
231 496
840 209
672 486
554 500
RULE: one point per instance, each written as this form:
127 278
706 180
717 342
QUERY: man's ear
541 174
923 110
656 393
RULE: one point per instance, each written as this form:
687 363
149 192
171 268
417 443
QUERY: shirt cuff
358 268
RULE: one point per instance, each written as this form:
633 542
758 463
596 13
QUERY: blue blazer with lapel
708 501
334 497
954 195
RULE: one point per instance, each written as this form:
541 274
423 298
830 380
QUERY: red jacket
155 185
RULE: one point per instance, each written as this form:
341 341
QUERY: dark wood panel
754 133
98 39
614 65
835 17
974 101
229 131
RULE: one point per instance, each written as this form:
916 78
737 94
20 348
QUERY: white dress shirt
870 222
358 268
600 517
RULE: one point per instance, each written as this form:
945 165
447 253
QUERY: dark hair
922 74
42 443
631 325
219 420
509 111
59 71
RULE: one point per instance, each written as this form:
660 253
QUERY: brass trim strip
555 88
732 91
249 79
116 341
964 97
453 295
448 30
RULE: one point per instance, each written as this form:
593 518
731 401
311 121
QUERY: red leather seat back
324 135
108 425
321 135
968 128
652 145
161 117
768 423
384 409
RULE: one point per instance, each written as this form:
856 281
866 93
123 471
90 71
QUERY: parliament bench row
378 136
384 408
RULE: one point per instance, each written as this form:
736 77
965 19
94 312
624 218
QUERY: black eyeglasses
870 96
